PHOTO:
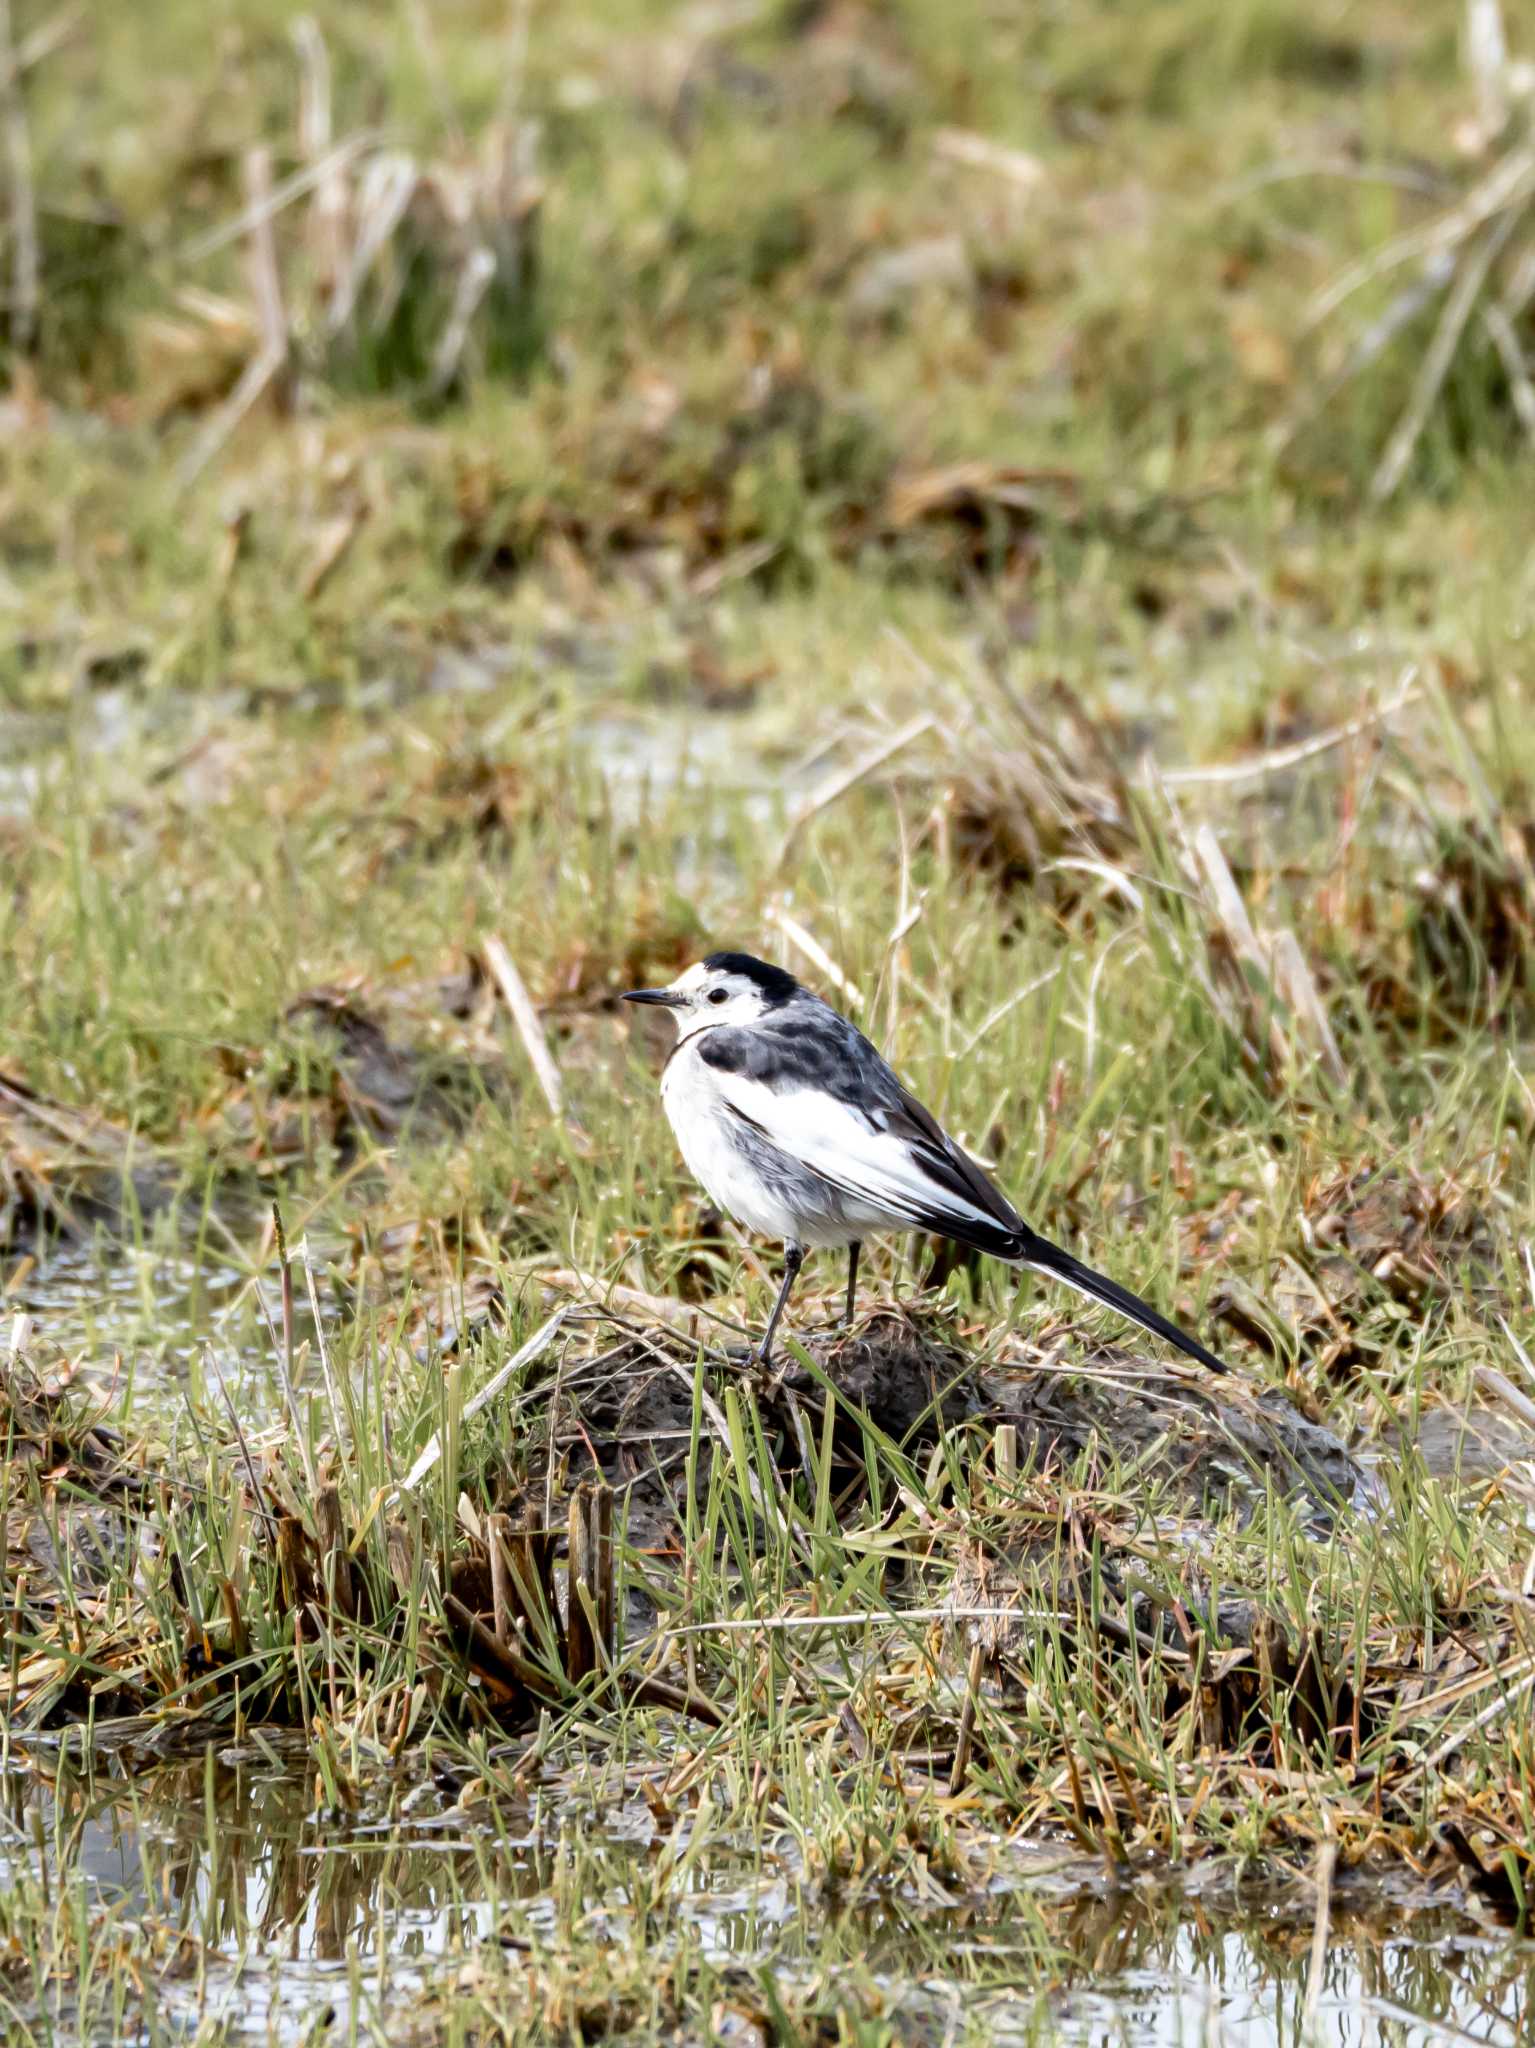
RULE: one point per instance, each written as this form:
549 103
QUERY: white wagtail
799 1129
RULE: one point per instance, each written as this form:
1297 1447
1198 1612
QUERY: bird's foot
766 1378
750 1357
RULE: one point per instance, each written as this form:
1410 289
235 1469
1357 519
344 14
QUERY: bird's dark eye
719 995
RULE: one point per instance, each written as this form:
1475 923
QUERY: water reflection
138 1321
236 1853
1171 1969
231 1850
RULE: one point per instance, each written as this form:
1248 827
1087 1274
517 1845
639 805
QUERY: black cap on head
775 984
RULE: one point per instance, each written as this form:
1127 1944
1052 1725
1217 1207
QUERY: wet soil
1211 1443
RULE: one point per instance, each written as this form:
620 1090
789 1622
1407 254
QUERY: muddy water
294 1914
139 1314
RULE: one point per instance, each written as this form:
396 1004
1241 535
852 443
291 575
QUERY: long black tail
1045 1257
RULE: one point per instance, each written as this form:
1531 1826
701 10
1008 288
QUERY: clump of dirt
1474 1445
1212 1443
618 1427
393 1064
1216 1447
368 1063
380 1087
1199 1445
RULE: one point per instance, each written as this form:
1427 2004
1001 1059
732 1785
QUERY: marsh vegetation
1023 516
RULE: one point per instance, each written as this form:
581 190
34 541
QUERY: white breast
697 1113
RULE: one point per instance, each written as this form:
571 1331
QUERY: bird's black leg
852 1282
793 1259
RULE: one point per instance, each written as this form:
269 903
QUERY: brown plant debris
61 1168
1039 804
1375 1243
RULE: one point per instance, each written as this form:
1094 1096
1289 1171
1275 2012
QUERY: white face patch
715 997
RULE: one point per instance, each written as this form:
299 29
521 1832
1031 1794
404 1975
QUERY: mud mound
1210 1445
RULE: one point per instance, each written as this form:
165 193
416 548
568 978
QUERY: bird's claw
766 1379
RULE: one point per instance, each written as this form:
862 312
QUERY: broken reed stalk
239 1634
505 1661
514 992
285 1354
582 1598
964 1739
335 1557
1004 1453
582 1650
678 1699
498 1531
1270 972
524 1607
602 1508
531 1556
293 1564
589 1604
401 1548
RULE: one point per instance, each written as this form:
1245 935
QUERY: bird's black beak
665 996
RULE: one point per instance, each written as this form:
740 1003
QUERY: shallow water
295 1913
148 1309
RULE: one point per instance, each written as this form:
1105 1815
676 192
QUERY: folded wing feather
895 1159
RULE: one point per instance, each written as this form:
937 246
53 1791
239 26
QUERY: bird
797 1127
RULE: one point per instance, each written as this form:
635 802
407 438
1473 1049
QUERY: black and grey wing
824 1098
831 1104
